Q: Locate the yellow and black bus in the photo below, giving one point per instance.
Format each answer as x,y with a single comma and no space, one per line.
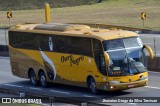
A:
100,59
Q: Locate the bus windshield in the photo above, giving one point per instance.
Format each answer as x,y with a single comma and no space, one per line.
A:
126,55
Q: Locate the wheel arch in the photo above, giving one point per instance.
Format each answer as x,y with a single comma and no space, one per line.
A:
29,70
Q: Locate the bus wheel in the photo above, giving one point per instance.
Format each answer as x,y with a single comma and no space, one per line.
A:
92,86
43,80
32,77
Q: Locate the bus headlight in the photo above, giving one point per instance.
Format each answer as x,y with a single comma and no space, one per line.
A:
114,82
144,78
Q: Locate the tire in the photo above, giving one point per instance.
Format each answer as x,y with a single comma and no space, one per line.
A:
32,77
43,79
92,86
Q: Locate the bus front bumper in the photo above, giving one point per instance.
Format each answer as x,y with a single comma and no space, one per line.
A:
124,86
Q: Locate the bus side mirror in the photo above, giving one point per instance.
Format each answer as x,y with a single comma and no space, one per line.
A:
107,58
150,51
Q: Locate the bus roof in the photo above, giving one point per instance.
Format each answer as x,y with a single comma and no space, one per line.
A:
75,30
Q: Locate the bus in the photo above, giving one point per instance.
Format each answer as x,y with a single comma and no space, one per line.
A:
73,54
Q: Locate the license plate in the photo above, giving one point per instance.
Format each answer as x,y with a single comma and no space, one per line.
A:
130,86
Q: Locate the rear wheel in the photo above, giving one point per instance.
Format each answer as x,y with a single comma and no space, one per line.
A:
32,77
43,80
92,86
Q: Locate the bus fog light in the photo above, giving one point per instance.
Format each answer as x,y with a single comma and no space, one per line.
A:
111,87
144,78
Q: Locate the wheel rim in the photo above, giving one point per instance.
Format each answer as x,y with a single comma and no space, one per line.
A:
33,78
93,86
43,80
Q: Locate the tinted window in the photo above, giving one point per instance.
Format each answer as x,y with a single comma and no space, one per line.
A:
23,40
43,41
30,41
73,45
66,44
55,43
15,39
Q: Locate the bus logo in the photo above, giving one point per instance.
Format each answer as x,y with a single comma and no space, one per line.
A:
50,43
72,60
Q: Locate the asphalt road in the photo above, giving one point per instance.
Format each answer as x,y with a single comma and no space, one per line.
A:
7,80
8,95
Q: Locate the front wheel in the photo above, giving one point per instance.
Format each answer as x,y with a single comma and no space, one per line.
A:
43,80
92,86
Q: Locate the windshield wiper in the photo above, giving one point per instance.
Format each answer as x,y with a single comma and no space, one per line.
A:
132,64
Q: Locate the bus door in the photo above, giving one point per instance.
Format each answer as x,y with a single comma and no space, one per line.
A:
99,56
